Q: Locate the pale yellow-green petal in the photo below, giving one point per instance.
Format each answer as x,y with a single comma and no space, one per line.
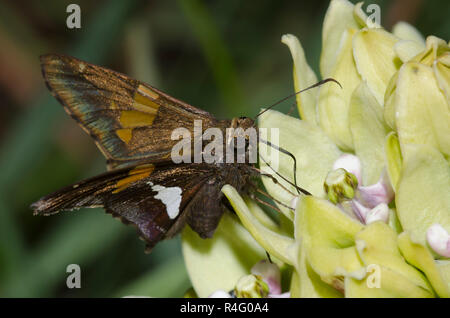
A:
218,263
334,101
390,102
261,216
377,244
434,48
422,113
328,239
376,60
419,256
314,151
304,77
444,270
392,285
407,49
295,286
369,132
280,246
406,31
394,222
393,158
423,192
307,284
361,17
338,18
442,72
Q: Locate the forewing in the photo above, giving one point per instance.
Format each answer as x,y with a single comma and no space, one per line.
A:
129,120
152,197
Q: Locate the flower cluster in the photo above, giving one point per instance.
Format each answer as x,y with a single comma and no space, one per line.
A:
374,154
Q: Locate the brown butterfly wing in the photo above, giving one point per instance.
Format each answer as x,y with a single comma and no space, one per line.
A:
129,120
152,197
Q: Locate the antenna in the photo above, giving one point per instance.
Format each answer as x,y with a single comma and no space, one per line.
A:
303,90
299,190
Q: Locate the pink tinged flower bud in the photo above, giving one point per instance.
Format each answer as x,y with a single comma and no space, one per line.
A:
270,273
368,215
351,163
380,192
439,240
378,213
360,211
219,294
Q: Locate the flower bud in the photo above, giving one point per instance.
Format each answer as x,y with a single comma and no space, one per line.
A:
340,184
270,273
378,213
375,194
439,240
350,163
360,211
251,286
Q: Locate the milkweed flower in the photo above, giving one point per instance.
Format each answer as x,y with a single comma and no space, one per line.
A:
264,281
374,155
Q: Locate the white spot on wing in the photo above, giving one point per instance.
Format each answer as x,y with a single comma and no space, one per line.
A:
171,197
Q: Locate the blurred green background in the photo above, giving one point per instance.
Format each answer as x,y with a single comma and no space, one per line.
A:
222,56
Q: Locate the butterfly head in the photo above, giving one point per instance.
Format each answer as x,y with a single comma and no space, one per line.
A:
242,135
243,122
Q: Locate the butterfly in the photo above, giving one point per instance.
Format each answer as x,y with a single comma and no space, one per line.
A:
132,123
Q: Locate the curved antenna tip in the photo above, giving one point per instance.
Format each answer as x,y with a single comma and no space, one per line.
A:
330,79
303,90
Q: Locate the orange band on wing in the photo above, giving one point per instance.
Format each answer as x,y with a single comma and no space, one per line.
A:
133,118
124,134
147,92
136,174
143,100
